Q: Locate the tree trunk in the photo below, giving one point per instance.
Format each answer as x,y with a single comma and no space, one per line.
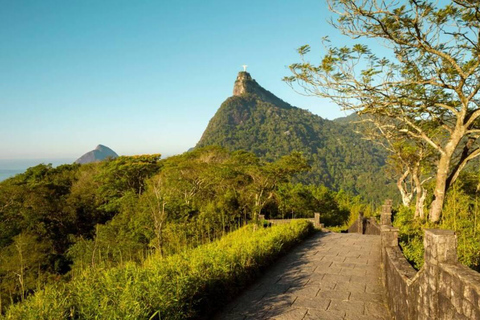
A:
419,191
440,188
406,196
420,204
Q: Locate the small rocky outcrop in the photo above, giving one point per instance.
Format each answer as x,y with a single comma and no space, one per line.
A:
100,153
245,84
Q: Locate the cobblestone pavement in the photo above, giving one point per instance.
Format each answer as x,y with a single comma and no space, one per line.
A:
330,276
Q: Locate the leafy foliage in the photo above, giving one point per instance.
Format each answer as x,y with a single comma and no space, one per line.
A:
424,92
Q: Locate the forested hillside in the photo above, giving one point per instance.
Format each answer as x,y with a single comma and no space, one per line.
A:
253,119
56,223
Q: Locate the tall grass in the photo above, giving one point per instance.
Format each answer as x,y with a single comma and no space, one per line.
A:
190,284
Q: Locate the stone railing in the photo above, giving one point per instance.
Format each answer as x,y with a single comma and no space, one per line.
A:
365,226
441,289
315,220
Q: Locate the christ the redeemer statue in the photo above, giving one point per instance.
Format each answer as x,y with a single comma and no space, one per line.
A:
244,68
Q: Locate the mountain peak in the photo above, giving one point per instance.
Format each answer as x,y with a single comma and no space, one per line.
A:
245,84
101,147
100,153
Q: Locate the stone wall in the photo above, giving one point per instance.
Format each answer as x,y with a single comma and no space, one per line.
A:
442,289
356,227
364,226
371,227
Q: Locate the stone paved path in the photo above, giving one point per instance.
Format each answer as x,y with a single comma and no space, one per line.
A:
330,276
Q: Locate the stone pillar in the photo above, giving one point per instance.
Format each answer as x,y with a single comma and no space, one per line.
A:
386,217
316,220
440,246
389,236
360,223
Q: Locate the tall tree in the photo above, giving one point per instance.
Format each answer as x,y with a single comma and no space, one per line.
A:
267,177
429,84
409,159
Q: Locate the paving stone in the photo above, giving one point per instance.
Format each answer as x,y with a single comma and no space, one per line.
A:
332,270
292,314
374,280
353,253
352,272
333,294
375,309
306,291
335,258
366,297
311,303
351,307
306,272
278,300
277,288
293,281
322,266
323,283
360,260
364,317
313,314
351,287
342,265
336,277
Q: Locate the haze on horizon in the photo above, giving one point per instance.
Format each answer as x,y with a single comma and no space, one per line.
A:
141,77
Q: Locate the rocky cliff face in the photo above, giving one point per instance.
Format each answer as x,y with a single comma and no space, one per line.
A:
100,153
245,85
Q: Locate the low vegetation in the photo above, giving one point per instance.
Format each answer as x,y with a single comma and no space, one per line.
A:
461,213
185,285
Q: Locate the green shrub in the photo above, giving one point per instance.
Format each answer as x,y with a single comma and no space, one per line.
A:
459,214
181,286
410,237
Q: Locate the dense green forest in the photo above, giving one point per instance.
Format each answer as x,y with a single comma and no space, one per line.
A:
58,222
340,159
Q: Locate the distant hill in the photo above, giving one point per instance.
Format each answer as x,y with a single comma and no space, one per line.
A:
255,120
351,118
100,153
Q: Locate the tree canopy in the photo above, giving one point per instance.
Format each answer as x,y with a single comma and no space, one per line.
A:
425,91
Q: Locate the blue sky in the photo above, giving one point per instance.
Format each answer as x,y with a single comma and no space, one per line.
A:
140,76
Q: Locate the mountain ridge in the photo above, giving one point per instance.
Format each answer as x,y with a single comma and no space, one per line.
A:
255,120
